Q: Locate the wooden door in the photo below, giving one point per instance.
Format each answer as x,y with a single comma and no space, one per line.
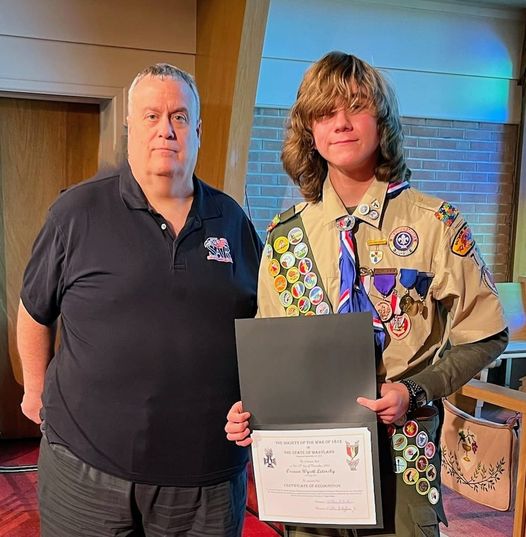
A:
45,146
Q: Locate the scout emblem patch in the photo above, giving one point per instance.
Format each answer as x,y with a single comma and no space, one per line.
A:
463,241
446,213
487,278
218,249
399,326
375,256
403,241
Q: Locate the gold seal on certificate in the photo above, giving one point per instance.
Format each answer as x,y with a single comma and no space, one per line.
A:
322,476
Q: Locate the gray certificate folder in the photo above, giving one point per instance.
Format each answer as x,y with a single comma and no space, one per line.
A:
306,373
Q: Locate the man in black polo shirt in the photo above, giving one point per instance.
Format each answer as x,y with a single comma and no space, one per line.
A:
147,271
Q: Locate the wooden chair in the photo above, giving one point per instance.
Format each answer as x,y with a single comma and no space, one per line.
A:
513,298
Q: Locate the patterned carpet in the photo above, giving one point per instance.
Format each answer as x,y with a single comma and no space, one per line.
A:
19,514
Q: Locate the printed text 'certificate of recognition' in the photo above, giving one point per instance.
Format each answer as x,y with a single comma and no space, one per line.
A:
315,476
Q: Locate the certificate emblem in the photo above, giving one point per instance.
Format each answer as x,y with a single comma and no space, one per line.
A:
403,241
352,454
269,460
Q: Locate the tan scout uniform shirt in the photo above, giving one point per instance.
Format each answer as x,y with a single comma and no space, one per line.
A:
461,285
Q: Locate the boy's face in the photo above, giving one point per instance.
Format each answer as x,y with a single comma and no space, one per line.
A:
348,140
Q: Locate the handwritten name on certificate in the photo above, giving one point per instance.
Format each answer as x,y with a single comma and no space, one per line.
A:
322,476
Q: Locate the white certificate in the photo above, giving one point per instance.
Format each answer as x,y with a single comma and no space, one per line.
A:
322,476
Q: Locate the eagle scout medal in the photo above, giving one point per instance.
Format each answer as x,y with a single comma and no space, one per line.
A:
304,304
301,250
285,298
423,486
280,283
399,326
463,242
305,265
287,260
403,241
433,495
295,235
273,267
385,312
323,309
298,290
310,280
293,274
281,244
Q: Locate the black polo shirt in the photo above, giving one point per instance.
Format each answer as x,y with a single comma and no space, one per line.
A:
146,368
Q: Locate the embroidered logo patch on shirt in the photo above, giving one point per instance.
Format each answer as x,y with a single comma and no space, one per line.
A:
218,249
463,242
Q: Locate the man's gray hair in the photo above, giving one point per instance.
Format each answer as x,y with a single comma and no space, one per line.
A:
162,71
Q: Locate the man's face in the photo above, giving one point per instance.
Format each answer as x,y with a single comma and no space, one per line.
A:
163,129
348,140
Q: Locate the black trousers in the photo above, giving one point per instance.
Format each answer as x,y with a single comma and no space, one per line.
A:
79,500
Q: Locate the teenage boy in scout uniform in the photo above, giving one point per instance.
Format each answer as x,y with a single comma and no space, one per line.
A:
366,241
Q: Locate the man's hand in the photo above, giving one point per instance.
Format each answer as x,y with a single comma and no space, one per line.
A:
392,405
31,405
237,425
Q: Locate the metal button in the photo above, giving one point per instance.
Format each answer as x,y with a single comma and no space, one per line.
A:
163,226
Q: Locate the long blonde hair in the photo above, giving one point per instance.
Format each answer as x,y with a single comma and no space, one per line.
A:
341,78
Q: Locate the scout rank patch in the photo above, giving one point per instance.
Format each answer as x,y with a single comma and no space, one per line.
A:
446,213
412,457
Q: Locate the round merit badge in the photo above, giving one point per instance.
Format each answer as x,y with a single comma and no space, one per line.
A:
273,267
293,311
430,450
267,252
287,260
280,283
293,274
411,476
323,309
295,235
423,486
421,463
421,439
304,304
410,453
400,465
410,428
298,290
305,265
301,250
316,295
281,244
310,280
399,442
431,472
433,496
285,298
403,241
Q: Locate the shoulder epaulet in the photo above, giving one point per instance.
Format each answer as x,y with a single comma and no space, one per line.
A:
286,215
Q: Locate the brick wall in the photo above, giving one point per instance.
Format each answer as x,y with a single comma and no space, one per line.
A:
469,164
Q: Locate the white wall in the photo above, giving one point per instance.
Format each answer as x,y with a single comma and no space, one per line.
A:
91,50
446,60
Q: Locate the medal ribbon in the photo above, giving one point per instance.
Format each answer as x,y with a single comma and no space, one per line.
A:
353,297
423,282
408,277
384,283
